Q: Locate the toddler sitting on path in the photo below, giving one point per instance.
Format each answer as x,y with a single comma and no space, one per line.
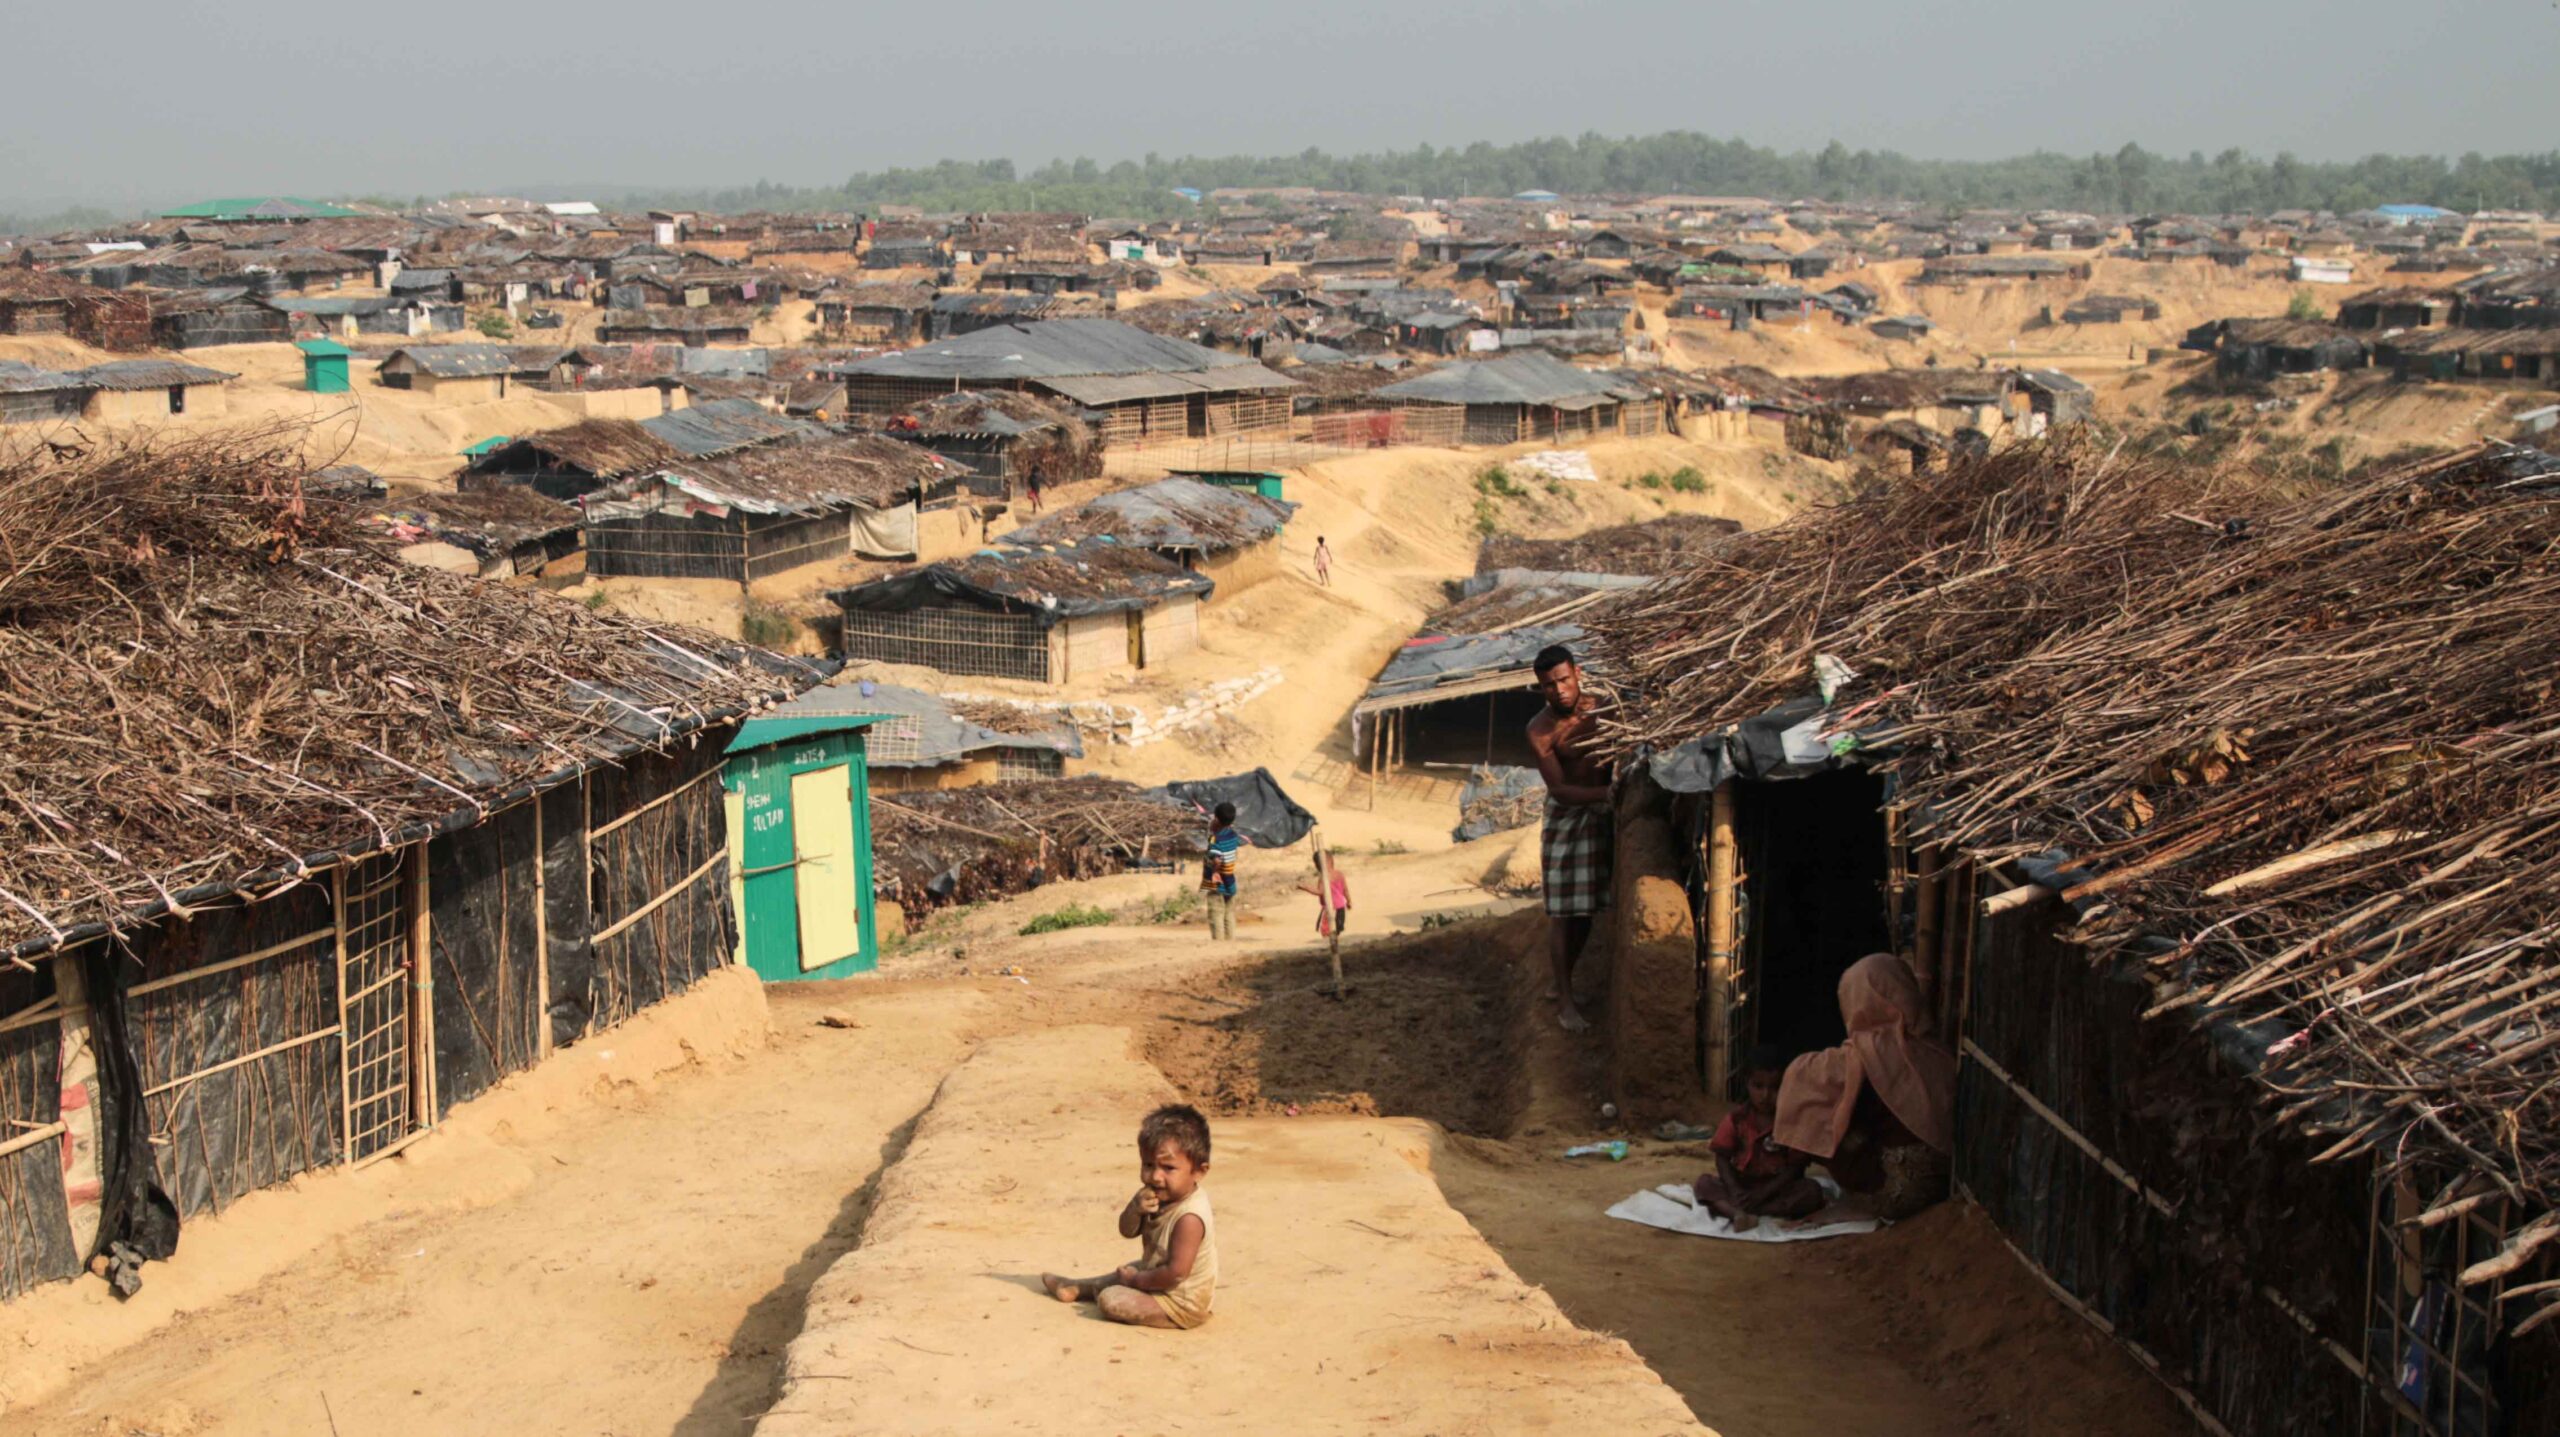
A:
1171,1283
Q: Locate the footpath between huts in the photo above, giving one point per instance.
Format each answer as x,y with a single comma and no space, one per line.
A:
1354,1298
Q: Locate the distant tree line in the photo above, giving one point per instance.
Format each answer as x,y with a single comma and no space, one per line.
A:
2132,179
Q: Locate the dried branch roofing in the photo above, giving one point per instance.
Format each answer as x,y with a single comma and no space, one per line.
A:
1089,578
1658,546
863,470
1172,513
486,521
2305,743
219,686
605,448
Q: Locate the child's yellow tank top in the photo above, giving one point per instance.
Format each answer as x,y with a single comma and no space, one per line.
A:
1188,1303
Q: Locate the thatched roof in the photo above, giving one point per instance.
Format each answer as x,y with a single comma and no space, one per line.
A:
605,448
996,413
2314,746
218,686
1175,513
862,470
1657,546
484,521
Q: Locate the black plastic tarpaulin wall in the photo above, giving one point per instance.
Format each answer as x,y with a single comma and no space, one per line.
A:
658,876
484,893
570,928
238,1058
215,1046
2195,1212
35,1221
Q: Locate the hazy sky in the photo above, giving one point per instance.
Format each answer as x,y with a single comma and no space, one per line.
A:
168,100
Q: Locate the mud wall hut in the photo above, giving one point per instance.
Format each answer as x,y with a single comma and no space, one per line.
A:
1518,397
144,389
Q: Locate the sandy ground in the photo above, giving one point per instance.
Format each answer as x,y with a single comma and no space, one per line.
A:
1352,1297
664,1236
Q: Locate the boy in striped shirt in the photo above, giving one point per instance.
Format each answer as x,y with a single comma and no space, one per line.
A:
1218,872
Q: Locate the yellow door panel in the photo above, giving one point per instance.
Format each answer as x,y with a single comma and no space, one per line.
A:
822,840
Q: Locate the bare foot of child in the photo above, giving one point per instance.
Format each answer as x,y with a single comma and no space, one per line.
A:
1571,1018
1065,1289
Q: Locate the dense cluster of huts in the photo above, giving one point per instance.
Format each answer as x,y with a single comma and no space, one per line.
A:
2500,326
2214,826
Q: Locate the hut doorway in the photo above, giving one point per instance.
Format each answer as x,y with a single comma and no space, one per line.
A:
1811,903
1488,729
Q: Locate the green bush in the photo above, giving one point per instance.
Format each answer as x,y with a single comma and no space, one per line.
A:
1488,519
1074,915
2303,305
767,627
1687,480
1437,920
1387,846
496,326
1175,906
1497,483
596,602
1648,480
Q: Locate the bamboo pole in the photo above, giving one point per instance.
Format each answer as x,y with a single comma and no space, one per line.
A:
2015,899
1722,864
541,942
346,1027
1924,936
422,999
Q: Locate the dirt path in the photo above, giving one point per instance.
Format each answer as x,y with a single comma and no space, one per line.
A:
1351,1297
644,1280
640,1264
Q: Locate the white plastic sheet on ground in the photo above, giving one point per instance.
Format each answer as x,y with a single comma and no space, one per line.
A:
1671,1208
1558,464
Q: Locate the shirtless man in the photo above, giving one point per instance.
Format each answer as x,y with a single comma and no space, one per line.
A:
1575,841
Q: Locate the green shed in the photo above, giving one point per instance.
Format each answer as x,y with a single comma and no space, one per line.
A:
800,852
494,441
324,365
1260,481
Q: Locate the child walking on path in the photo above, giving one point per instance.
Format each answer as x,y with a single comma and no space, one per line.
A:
1333,906
1324,562
1218,872
1176,1274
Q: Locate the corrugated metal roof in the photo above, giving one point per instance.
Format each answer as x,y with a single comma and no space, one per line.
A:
1058,348
453,361
149,374
16,378
919,729
724,426
1524,378
1101,389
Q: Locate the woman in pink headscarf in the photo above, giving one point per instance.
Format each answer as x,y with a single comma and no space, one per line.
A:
1879,1109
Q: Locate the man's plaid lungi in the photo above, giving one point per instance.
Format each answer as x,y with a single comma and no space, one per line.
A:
1574,844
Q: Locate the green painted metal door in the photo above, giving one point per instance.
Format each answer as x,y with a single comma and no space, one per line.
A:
800,834
770,914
